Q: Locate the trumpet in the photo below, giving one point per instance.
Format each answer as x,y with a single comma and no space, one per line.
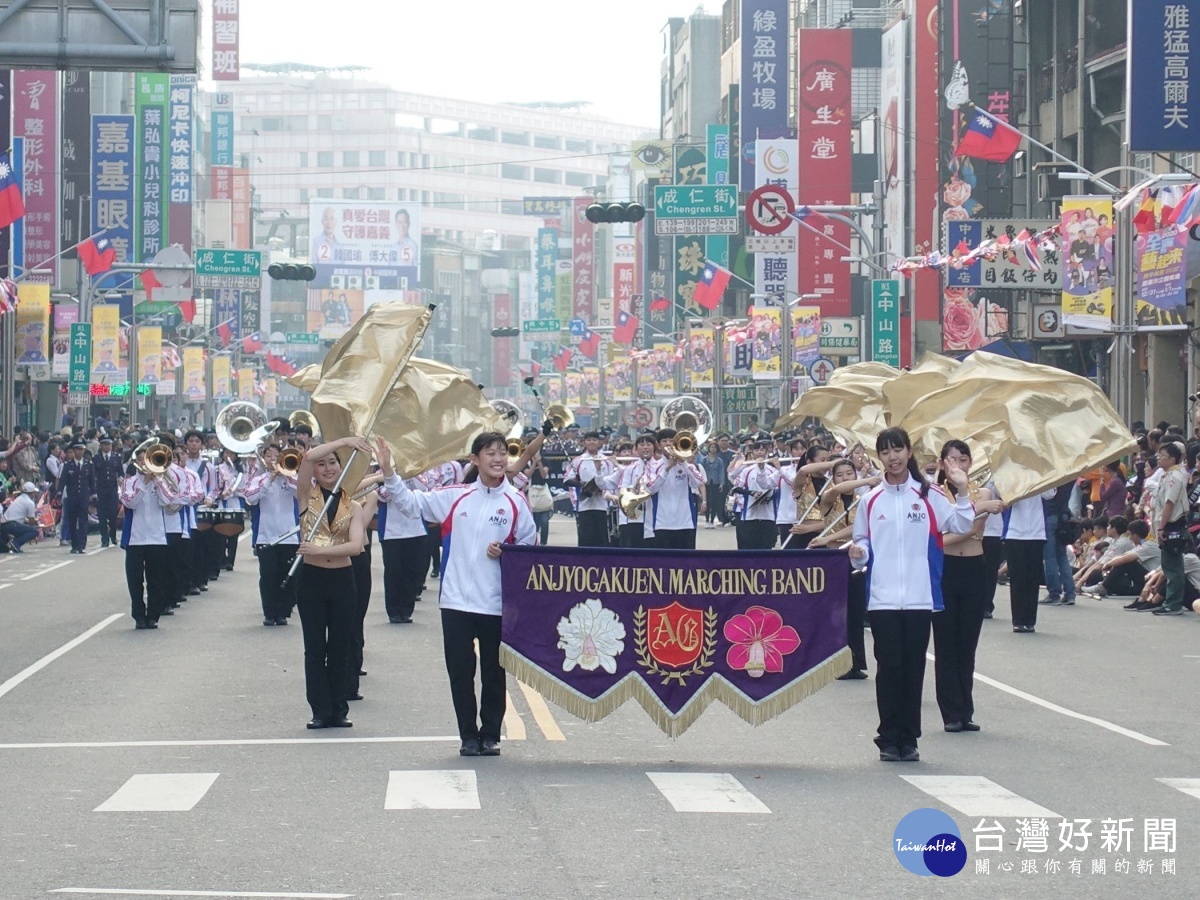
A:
515,447
289,460
156,462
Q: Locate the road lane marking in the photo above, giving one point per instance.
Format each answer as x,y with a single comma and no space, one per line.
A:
541,714
717,792
94,552
3,586
42,572
248,742
514,725
973,795
123,892
1189,786
432,789
51,657
171,792
1069,713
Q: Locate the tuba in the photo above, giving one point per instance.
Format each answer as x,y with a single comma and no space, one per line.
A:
691,420
304,417
242,426
560,416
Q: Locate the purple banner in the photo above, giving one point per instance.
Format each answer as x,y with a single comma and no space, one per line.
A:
1160,266
35,118
675,630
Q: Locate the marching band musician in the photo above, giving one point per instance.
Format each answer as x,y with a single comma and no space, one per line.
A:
785,499
405,549
672,482
176,526
193,441
478,519
231,478
588,474
758,486
271,494
806,488
633,477
146,499
445,475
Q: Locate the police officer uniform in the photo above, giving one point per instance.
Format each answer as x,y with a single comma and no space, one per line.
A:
79,480
108,469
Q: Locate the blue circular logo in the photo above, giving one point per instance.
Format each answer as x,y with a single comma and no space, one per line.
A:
928,842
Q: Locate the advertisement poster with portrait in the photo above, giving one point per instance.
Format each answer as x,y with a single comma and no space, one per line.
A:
701,360
332,312
33,324
766,340
365,246
1087,260
1160,270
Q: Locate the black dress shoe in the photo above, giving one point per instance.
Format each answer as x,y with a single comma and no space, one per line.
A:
954,727
909,754
362,673
203,589
970,726
853,675
228,568
340,722
470,747
489,748
151,623
167,612
270,622
140,624
889,754
355,696
281,621
194,592
316,723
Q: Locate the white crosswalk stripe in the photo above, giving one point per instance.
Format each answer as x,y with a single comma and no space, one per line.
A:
432,789
173,792
706,792
974,795
1189,786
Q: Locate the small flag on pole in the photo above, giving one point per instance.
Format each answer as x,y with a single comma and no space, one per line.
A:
988,138
711,287
97,255
625,330
12,205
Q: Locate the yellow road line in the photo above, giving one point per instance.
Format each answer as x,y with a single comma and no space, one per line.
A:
514,725
541,713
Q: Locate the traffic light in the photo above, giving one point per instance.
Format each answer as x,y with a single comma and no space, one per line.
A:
601,213
291,272
506,332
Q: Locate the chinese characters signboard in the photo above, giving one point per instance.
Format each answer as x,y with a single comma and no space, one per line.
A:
151,110
226,58
35,118
1163,112
112,181
1005,272
885,321
764,85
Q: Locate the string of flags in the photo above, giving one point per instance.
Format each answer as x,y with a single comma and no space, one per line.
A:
1025,250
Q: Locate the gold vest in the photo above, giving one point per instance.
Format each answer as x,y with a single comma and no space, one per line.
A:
326,536
835,515
804,500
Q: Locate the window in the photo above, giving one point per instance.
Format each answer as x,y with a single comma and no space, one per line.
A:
377,159
351,193
579,179
324,159
325,124
304,159
512,207
547,176
401,159
350,158
1186,161
547,141
376,193
448,201
574,146
303,195
481,134
401,194
515,137
324,193
517,173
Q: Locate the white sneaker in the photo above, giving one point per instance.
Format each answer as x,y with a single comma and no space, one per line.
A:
708,526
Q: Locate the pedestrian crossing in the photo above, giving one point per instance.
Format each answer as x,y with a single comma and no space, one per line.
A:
721,793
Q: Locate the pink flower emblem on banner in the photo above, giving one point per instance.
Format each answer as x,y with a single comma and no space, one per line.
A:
760,641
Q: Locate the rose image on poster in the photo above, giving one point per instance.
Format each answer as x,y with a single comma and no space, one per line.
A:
961,328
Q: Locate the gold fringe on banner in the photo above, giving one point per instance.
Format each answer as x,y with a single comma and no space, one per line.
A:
715,688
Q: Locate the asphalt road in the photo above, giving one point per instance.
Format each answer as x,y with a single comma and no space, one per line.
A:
176,763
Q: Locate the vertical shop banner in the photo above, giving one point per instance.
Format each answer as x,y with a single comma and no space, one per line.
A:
65,316
776,163
221,377
504,362
227,307
251,320
226,48
701,359
180,112
717,172
33,324
106,346
764,77
80,375
545,265
35,119
150,94
1160,272
240,210
894,135
195,390
806,338
76,155
554,391
662,368
271,394
885,321
691,167
149,347
589,391
923,168
222,137
624,264
1163,103
583,260
766,342
1087,259
245,384
6,140
221,183
562,290
823,129
112,168
620,379
573,383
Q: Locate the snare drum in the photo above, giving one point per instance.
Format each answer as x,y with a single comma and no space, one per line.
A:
206,518
230,522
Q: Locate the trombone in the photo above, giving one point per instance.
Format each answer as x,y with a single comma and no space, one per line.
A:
691,420
156,462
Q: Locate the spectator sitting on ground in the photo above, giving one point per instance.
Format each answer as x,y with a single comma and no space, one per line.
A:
1125,575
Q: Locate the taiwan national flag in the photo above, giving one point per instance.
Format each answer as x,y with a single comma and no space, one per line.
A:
658,304
562,359
97,255
988,138
12,206
711,287
590,344
252,343
626,328
225,333
149,282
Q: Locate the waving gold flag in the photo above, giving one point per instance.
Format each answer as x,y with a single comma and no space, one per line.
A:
851,405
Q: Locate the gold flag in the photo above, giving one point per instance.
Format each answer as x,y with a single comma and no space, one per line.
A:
851,405
306,379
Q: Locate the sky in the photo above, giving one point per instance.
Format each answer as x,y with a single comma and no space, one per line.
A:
607,53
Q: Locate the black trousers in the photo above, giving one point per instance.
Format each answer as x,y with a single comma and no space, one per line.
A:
361,565
633,534
993,552
273,564
459,632
178,554
405,563
901,639
435,551
856,620
106,512
197,571
757,534
591,528
326,599
675,538
146,565
76,512
1126,580
214,553
956,634
713,502
229,550
1025,570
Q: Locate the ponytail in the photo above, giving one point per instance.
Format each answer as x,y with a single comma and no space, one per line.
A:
915,471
